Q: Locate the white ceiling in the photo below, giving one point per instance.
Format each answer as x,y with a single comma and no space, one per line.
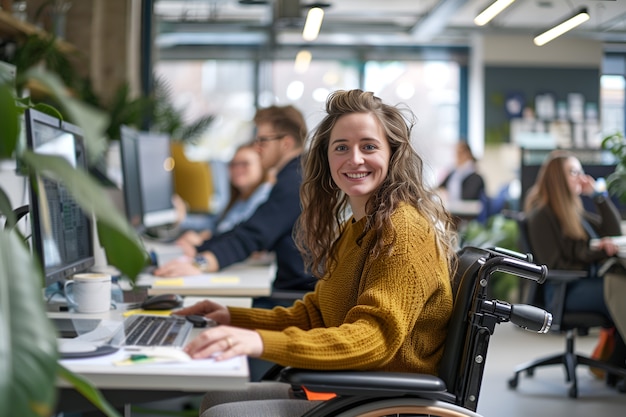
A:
377,22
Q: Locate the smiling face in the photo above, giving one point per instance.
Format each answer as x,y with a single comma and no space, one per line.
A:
245,169
358,156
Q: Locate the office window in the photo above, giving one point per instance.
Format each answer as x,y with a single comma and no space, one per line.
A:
307,89
219,87
226,88
431,91
612,101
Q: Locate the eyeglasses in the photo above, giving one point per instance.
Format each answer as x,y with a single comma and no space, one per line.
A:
239,164
264,139
576,172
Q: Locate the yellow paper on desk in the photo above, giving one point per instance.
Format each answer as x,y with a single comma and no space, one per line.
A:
170,282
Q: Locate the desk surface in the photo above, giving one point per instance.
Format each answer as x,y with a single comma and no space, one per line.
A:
247,279
465,208
237,280
193,376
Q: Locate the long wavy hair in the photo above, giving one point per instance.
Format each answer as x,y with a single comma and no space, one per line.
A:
324,204
552,190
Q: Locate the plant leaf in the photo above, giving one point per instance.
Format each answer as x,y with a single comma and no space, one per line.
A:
10,130
92,197
28,348
121,251
6,209
88,390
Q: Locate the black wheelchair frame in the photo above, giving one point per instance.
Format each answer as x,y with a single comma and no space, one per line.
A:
455,392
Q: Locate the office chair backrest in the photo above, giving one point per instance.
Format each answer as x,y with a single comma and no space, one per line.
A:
193,180
533,292
464,287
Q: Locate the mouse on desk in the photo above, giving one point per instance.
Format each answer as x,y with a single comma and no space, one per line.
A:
162,302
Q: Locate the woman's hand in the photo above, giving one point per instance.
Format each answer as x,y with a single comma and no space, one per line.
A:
208,309
587,184
177,267
225,342
189,240
608,246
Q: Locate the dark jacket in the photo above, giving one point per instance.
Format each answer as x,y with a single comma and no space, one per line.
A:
552,248
472,186
269,229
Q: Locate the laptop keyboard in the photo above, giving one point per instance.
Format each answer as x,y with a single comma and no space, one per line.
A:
147,330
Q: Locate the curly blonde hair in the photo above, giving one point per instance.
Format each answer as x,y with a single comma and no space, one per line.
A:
325,205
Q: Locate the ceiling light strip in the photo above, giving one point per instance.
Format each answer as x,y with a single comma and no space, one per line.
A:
492,11
313,23
580,17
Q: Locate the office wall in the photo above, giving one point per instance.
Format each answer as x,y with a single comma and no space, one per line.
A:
564,52
514,63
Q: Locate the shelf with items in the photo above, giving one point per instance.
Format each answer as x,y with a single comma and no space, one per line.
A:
10,27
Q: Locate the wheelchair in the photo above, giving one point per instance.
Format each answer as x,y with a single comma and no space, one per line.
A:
456,390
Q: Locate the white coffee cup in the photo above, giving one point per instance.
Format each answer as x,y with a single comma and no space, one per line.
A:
89,292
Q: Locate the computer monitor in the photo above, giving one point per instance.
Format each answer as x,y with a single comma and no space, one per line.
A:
130,175
148,179
61,230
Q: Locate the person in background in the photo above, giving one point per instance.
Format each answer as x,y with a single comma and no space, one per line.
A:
250,185
464,182
280,135
381,245
560,230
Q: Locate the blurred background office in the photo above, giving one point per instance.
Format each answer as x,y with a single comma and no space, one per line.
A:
216,61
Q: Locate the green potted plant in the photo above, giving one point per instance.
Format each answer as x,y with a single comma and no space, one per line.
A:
28,351
168,119
616,182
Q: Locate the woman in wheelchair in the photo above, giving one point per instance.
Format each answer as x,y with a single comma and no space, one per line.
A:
560,229
381,244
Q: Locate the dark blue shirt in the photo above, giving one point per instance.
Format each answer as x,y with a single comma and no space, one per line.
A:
270,229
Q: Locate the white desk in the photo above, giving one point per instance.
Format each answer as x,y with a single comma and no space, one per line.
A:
146,382
193,376
465,208
239,280
245,279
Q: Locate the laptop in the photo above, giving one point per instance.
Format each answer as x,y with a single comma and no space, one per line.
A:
82,337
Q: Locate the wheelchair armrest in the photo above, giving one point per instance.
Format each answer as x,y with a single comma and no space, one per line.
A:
363,383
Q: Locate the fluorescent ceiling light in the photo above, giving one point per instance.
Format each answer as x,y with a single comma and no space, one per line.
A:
313,23
580,17
492,11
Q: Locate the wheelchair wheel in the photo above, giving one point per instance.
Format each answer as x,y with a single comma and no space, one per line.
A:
405,407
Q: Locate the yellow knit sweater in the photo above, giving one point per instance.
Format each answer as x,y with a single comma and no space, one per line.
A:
387,314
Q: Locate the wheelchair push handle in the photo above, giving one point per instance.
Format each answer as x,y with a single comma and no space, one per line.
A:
515,266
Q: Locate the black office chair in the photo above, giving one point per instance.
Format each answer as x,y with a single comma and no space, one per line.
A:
456,390
570,323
